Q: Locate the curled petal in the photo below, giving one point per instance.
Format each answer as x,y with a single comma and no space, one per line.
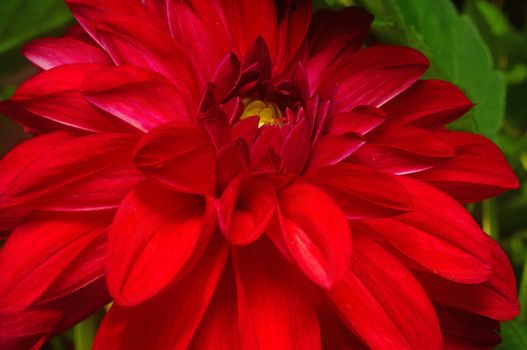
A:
153,237
295,149
179,156
245,209
315,232
169,320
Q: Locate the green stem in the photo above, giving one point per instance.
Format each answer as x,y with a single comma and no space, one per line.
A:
84,333
490,218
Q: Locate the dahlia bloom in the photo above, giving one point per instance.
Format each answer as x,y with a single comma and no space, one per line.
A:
242,174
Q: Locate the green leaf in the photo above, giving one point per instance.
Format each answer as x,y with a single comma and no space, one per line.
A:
6,92
514,335
23,20
508,46
523,292
455,49
11,134
516,106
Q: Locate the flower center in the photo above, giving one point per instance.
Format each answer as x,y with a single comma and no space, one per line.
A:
268,112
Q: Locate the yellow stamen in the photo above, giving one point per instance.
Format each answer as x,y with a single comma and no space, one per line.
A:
268,112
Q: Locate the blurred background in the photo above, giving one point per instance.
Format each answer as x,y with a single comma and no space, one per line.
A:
479,45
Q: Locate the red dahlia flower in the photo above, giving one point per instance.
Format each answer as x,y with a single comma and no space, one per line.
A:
240,174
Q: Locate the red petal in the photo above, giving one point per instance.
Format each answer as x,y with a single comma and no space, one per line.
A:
316,233
373,76
275,311
268,140
169,320
230,162
292,29
179,156
335,335
335,32
67,163
219,328
413,140
50,242
245,209
26,152
478,171
225,79
496,298
245,129
216,124
32,123
403,150
248,27
295,149
361,192
126,92
86,268
49,53
54,95
207,42
149,45
11,218
330,149
428,103
152,238
439,234
13,163
360,121
382,302
30,328
463,330
105,189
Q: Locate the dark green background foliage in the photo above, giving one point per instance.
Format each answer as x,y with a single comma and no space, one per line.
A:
480,45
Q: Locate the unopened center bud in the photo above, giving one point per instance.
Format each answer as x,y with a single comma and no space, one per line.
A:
268,112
